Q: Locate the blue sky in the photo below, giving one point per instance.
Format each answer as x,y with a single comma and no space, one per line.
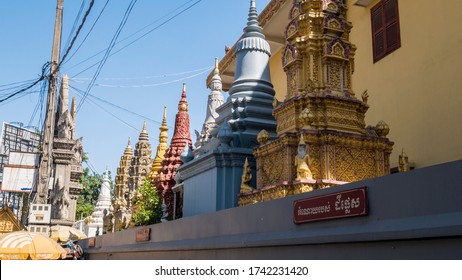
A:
141,78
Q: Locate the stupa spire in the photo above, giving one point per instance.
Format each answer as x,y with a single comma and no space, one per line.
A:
161,148
253,28
181,131
144,134
252,92
181,137
128,149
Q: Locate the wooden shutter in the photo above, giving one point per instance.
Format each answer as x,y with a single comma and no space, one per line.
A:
385,28
391,25
378,34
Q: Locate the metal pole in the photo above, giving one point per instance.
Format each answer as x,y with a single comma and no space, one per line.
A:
46,161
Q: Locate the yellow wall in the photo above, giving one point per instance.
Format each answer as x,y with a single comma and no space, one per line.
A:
278,76
417,89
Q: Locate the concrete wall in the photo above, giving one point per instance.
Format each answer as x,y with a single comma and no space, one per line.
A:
417,88
200,194
413,215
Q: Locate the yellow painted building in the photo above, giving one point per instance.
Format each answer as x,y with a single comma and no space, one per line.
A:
416,88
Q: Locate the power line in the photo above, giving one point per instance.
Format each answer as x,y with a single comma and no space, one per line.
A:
145,34
76,34
108,51
74,26
116,106
126,38
156,84
89,32
111,114
80,80
45,68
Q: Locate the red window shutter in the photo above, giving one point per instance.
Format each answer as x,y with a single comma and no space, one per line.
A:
385,28
378,35
392,25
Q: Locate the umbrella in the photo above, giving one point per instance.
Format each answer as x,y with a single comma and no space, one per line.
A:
23,245
65,233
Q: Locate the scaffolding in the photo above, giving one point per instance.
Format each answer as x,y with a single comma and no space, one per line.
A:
16,138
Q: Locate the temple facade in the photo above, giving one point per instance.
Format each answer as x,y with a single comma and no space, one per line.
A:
399,79
134,166
322,139
122,213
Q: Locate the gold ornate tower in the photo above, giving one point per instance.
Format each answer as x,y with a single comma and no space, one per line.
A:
161,148
141,162
320,118
121,190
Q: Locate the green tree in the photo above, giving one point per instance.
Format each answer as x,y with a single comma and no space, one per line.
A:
147,204
86,201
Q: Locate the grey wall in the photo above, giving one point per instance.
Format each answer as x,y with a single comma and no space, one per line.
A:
413,215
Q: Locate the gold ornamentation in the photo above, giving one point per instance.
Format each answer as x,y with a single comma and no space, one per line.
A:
365,96
306,117
303,162
246,178
403,162
263,137
382,129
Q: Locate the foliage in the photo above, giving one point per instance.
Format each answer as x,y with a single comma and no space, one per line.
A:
88,197
148,205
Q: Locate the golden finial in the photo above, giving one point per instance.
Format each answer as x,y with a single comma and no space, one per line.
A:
403,162
263,137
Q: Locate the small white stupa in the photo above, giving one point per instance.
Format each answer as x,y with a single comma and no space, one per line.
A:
95,225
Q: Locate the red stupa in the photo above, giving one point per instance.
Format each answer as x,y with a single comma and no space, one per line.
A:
166,179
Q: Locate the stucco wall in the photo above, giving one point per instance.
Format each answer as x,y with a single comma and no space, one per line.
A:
278,76
200,195
417,89
412,215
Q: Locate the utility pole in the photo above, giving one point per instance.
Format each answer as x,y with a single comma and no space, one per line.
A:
46,162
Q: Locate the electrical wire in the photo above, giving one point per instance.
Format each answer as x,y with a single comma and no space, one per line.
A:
126,38
76,34
80,80
142,36
74,26
108,51
88,34
107,112
45,68
117,106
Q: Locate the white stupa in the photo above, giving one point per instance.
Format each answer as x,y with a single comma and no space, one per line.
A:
103,206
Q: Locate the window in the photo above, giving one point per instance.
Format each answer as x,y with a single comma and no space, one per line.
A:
385,28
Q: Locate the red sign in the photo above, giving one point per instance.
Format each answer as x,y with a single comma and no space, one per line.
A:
331,206
143,234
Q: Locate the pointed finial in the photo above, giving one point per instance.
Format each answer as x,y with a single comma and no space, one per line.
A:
128,149
164,119
253,28
183,104
106,174
144,133
216,63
